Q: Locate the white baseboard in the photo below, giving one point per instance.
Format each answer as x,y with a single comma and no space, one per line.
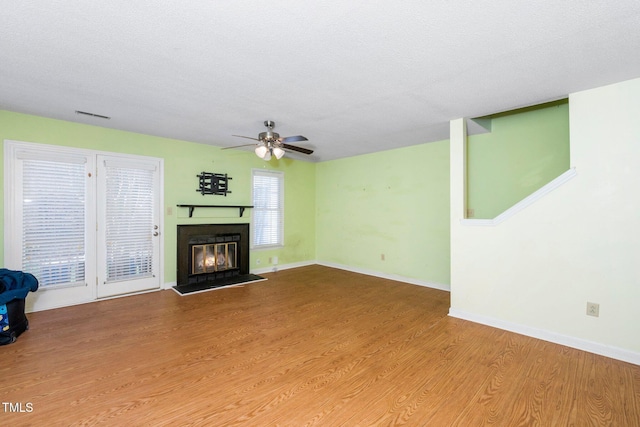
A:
395,277
573,342
32,308
278,267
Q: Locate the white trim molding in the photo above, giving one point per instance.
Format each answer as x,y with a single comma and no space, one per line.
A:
276,267
522,204
569,341
381,275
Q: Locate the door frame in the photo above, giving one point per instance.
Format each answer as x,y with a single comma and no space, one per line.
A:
13,241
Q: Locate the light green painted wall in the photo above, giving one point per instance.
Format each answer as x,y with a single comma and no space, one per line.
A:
524,151
183,161
394,203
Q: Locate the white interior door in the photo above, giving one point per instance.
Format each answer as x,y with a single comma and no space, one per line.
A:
128,225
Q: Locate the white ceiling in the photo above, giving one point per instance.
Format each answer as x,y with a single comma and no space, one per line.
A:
352,76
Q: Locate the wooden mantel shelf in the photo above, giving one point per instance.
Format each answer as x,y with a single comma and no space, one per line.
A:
192,208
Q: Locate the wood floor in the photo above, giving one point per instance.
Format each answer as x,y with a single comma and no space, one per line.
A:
310,346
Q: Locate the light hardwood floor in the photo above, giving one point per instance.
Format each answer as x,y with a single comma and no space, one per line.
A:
310,346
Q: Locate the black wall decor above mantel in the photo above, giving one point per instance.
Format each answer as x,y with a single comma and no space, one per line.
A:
213,183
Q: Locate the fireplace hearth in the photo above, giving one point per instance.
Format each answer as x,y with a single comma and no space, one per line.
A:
212,256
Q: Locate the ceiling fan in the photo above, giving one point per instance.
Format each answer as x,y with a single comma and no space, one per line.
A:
271,143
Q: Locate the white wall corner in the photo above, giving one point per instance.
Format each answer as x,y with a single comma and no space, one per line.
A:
458,168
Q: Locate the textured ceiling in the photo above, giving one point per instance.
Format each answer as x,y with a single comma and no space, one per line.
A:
352,76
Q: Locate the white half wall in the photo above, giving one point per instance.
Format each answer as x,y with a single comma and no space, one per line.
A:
579,243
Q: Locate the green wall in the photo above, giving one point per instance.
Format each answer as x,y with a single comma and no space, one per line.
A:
394,203
182,162
524,151
346,212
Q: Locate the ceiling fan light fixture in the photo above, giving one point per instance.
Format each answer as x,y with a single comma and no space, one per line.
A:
271,144
261,151
278,152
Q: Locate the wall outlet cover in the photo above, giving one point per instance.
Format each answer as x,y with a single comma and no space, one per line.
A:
593,309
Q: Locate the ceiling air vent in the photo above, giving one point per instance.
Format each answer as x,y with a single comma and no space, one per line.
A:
100,116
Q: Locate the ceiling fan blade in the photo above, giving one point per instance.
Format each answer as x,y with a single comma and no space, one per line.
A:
248,137
298,149
238,146
296,138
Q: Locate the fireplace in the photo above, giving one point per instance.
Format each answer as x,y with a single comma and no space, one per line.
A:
212,255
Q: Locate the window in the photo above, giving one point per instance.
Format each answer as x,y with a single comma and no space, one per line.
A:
268,208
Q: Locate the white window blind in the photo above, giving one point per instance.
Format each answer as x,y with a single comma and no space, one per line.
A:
268,208
53,228
129,222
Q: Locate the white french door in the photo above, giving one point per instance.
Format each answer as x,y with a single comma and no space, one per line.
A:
86,224
128,225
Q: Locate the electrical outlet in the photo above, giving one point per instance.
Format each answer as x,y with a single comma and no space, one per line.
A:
593,309
471,213
274,260
381,257
258,261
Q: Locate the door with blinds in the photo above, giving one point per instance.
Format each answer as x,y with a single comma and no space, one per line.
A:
128,225
48,208
86,224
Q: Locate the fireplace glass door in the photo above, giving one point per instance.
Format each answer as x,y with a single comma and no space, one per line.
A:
209,258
